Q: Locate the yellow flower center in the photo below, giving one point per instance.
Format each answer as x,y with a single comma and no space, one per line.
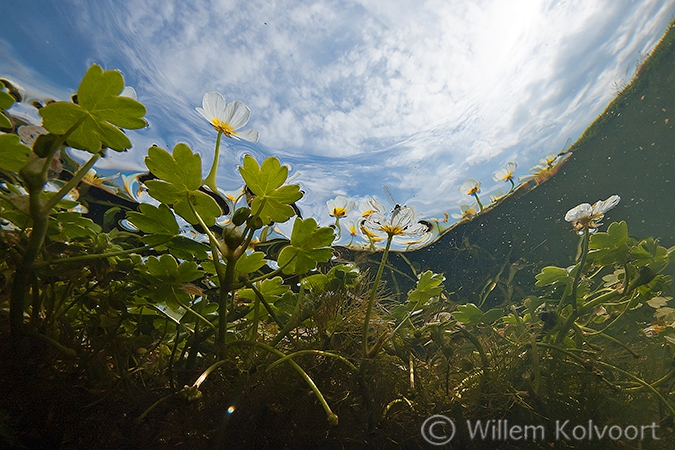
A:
474,190
393,230
338,212
223,127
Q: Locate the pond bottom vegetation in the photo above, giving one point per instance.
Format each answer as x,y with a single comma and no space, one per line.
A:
196,331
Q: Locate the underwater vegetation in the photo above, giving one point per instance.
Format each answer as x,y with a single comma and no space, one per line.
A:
196,326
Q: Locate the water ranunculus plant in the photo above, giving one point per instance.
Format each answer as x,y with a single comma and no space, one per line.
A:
471,186
226,118
506,174
339,207
586,217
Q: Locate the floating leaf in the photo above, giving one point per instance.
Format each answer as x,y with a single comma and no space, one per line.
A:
309,245
6,101
658,302
272,200
96,119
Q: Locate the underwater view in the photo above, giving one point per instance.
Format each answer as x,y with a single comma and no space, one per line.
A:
357,254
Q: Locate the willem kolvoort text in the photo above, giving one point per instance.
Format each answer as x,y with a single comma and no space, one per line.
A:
501,430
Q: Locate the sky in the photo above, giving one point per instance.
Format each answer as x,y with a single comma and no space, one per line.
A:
417,95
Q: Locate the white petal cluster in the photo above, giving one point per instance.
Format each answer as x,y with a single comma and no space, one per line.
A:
400,222
227,117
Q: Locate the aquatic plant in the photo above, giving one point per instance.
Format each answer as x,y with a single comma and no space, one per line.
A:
471,186
506,174
195,305
226,118
339,207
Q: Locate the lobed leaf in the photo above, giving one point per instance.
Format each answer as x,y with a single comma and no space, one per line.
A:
272,200
13,154
309,245
95,121
154,220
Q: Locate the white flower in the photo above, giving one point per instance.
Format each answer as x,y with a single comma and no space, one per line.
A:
227,117
585,216
468,211
401,222
340,206
470,187
370,206
506,172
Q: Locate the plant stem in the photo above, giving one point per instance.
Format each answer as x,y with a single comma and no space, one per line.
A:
210,180
371,299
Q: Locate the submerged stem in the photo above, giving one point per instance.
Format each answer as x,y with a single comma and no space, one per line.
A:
371,299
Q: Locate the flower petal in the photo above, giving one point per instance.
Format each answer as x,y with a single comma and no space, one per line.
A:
238,114
248,135
213,104
602,206
579,211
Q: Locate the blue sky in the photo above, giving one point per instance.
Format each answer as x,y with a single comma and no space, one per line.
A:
417,95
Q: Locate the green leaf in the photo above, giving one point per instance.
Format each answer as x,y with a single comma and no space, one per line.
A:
271,290
183,169
251,262
69,225
6,100
13,154
468,314
272,200
167,269
96,119
154,220
4,121
164,192
552,275
204,204
616,236
309,245
180,177
429,285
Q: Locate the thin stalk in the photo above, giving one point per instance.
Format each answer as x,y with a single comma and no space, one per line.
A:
480,205
41,264
210,180
371,299
535,364
582,261
332,417
66,188
575,284
642,382
338,228
476,343
313,352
